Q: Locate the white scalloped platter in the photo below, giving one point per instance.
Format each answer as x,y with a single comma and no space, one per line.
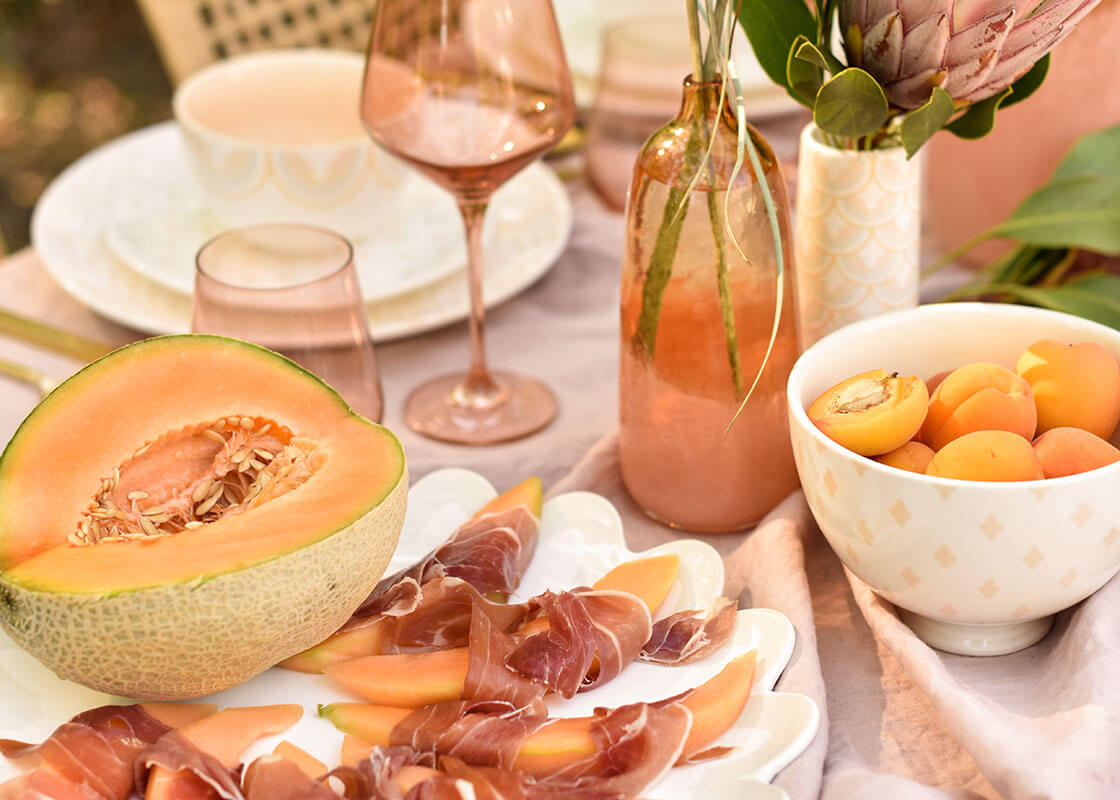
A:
581,538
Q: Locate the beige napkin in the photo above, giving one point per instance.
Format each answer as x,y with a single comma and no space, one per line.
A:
898,719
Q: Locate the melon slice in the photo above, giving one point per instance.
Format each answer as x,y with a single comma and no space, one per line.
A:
186,512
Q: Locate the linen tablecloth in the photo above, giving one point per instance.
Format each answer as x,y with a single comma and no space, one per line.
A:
898,720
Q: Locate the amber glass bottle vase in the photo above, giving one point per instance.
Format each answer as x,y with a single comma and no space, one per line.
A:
700,286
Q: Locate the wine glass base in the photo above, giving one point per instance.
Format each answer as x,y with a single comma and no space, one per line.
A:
522,406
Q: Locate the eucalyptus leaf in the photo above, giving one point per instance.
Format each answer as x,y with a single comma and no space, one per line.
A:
926,120
1076,211
803,76
1029,83
979,119
850,105
771,26
807,51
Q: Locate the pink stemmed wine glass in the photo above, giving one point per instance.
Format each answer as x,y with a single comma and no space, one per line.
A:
470,92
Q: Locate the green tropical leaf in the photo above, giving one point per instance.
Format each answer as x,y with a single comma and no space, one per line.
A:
1029,83
1075,211
803,76
1095,297
851,104
771,26
1094,154
926,120
979,119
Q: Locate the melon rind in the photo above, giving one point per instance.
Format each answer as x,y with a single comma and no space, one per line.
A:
219,632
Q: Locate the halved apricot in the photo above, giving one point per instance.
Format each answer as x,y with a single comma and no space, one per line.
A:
871,413
979,397
1068,451
987,456
1074,386
912,457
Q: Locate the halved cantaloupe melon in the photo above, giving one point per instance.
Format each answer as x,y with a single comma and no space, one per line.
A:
186,512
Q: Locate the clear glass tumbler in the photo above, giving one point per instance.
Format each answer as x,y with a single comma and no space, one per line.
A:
294,289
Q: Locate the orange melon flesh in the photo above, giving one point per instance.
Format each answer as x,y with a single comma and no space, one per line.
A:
307,763
715,706
528,493
109,410
195,612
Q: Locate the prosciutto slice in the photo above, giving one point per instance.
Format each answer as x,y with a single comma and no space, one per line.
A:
484,732
637,745
440,617
690,635
489,677
584,625
490,553
91,756
273,777
175,753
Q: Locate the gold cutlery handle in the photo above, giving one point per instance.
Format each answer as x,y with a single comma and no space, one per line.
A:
43,335
30,375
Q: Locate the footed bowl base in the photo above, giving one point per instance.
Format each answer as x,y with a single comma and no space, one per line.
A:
969,639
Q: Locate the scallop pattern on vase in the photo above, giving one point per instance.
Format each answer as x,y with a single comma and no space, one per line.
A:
856,234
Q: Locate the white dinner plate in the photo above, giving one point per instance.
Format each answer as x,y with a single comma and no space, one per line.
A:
581,537
135,198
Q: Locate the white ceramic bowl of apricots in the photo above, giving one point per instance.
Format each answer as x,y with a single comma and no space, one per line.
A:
939,500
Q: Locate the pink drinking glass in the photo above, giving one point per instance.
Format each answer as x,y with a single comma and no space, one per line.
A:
294,289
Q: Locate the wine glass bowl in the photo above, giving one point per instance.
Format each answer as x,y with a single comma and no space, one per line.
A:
470,92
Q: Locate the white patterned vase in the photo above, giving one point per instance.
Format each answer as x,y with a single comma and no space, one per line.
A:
856,234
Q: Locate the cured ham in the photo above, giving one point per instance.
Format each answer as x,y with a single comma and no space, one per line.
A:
690,635
441,618
637,745
428,605
177,754
591,636
489,675
92,754
274,777
483,732
490,553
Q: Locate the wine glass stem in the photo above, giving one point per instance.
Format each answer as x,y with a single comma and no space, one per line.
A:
478,389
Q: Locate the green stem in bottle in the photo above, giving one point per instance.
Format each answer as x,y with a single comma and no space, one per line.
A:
726,309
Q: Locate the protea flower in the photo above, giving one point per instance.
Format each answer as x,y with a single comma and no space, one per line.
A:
970,48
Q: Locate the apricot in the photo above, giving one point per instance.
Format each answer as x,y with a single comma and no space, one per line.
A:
871,413
912,457
1068,451
934,381
987,456
1075,386
979,397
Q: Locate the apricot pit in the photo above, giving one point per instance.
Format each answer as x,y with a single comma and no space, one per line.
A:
871,413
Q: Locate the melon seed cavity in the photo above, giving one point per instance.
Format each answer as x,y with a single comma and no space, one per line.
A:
190,478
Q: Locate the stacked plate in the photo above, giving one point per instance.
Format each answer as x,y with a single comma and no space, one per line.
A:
120,227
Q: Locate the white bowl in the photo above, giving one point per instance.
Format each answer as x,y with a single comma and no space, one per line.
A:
276,137
976,568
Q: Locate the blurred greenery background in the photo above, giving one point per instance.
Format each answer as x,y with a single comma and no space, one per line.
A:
73,74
